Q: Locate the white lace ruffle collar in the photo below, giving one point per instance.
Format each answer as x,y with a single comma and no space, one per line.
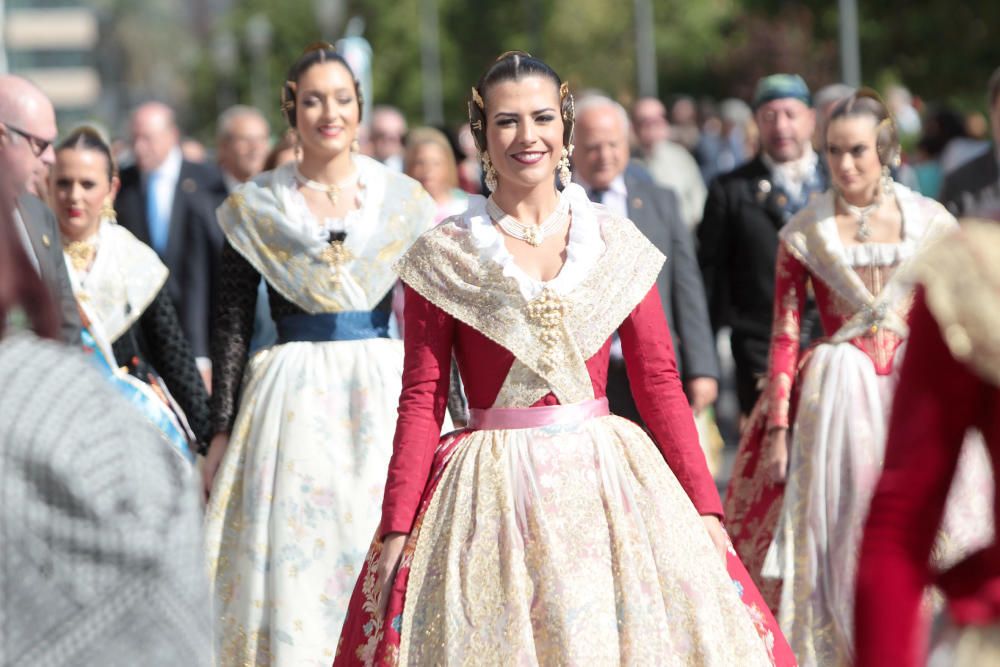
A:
584,248
372,191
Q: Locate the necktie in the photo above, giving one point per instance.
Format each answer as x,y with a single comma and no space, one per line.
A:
159,227
597,195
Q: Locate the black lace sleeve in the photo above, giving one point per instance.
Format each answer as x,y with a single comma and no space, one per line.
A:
171,356
232,329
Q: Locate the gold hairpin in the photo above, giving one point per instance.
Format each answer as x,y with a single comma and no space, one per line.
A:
477,98
563,90
507,54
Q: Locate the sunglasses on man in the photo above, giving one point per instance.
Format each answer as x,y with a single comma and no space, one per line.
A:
37,144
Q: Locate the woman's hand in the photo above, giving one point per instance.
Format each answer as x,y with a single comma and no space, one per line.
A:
776,455
388,563
718,535
213,457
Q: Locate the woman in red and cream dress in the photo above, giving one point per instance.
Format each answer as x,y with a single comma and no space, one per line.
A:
820,426
548,531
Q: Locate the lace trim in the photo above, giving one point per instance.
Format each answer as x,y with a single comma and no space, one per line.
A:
583,249
961,276
551,335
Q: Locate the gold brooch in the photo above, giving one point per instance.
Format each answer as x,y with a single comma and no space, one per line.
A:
337,255
547,312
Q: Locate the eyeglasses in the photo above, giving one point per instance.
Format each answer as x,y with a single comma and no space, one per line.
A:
38,145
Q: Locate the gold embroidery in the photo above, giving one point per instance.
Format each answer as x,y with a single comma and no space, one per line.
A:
444,266
336,255
563,539
253,219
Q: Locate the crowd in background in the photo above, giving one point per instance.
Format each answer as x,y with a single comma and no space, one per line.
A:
672,160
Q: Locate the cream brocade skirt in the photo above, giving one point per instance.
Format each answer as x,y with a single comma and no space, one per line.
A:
298,496
569,545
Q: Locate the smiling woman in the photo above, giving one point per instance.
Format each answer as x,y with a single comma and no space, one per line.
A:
294,489
549,531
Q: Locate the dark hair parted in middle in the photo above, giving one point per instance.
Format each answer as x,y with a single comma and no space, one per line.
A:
513,66
866,102
315,54
88,137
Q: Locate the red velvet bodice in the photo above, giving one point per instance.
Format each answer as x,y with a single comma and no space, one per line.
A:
793,279
430,338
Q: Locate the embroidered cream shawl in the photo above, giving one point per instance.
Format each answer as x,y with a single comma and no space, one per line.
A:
266,221
551,335
124,279
961,276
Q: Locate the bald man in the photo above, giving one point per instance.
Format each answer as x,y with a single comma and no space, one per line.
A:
164,201
27,130
600,164
670,164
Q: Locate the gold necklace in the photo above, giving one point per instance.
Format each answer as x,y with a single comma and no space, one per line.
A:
81,253
331,190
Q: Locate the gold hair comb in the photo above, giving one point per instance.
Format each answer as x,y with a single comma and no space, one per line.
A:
507,54
477,98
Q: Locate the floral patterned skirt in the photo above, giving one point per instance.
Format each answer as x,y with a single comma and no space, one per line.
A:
297,497
570,545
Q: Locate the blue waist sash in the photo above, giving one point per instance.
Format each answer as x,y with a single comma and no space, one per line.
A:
324,327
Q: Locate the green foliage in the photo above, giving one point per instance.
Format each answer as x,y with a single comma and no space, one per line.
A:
941,49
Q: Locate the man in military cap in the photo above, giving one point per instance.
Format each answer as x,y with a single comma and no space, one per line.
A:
738,236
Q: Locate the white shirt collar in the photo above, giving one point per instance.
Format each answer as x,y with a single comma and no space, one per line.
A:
170,170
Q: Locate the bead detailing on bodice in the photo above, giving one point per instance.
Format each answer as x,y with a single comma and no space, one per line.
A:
547,313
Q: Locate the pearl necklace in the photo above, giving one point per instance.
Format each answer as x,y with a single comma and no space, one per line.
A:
532,234
862,214
332,191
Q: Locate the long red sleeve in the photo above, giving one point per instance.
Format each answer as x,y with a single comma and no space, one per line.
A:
789,301
427,340
656,388
935,402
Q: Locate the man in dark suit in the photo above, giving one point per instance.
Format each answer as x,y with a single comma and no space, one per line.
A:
738,235
27,130
601,163
242,138
974,188
163,201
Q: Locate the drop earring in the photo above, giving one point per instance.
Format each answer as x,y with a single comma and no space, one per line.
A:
886,180
489,171
108,212
565,177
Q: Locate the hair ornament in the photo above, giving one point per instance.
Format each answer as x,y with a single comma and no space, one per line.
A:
318,46
477,98
507,54
563,90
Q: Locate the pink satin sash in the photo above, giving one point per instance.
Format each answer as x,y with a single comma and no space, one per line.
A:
500,419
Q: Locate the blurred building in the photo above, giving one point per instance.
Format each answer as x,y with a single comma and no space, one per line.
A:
54,44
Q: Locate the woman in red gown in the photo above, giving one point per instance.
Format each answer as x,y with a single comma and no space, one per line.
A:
949,383
549,531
